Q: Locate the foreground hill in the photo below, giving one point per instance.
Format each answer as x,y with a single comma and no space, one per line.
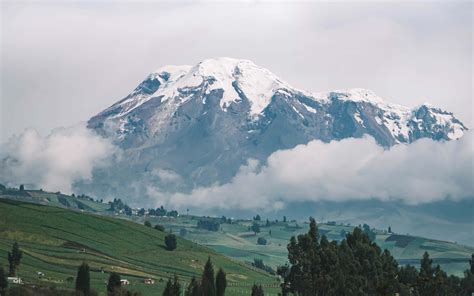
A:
56,241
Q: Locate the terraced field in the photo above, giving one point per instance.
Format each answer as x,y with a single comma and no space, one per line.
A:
56,241
235,241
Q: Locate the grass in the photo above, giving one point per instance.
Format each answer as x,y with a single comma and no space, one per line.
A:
234,241
56,241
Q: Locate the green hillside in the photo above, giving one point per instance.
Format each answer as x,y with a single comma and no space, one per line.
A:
236,241
55,241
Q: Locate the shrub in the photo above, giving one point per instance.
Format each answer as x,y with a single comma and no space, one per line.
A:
170,242
159,227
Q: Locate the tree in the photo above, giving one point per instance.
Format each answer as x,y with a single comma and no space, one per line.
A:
173,288
261,241
257,218
471,263
83,281
114,283
257,290
255,227
147,223
284,219
208,286
194,288
14,259
3,282
390,229
170,242
221,282
22,187
159,227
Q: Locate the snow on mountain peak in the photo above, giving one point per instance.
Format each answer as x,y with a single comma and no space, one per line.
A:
233,76
257,84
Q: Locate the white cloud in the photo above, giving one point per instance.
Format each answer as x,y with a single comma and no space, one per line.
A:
351,169
56,161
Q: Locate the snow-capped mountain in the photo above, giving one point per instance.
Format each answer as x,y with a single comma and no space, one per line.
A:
201,123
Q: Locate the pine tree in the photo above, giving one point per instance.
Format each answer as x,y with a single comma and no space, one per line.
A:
83,279
257,290
14,259
221,282
168,288
194,289
426,276
114,283
176,287
173,288
3,282
208,286
471,263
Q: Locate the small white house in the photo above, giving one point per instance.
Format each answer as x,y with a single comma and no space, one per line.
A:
15,280
124,282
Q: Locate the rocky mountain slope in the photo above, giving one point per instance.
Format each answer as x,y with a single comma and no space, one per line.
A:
199,124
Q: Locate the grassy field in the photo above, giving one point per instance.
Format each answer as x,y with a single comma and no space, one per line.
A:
55,241
236,241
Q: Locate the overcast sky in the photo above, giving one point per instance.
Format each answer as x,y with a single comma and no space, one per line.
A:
62,62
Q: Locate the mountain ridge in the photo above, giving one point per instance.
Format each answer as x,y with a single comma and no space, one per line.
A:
202,123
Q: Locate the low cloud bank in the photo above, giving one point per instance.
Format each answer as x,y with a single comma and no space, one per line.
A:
56,161
350,169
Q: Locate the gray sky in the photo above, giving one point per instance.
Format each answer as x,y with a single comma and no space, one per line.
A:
64,62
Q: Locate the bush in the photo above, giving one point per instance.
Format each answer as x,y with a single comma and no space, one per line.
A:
170,242
261,241
210,225
159,227
147,223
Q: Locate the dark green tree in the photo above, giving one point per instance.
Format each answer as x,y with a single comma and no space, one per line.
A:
147,223
14,259
467,283
170,242
83,281
173,288
471,263
3,282
22,187
159,227
255,227
208,286
426,276
194,288
257,290
221,282
113,286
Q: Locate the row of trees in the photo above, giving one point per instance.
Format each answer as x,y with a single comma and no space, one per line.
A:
114,284
208,285
357,266
209,224
117,205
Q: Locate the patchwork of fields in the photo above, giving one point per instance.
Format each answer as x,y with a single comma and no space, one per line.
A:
236,241
56,241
